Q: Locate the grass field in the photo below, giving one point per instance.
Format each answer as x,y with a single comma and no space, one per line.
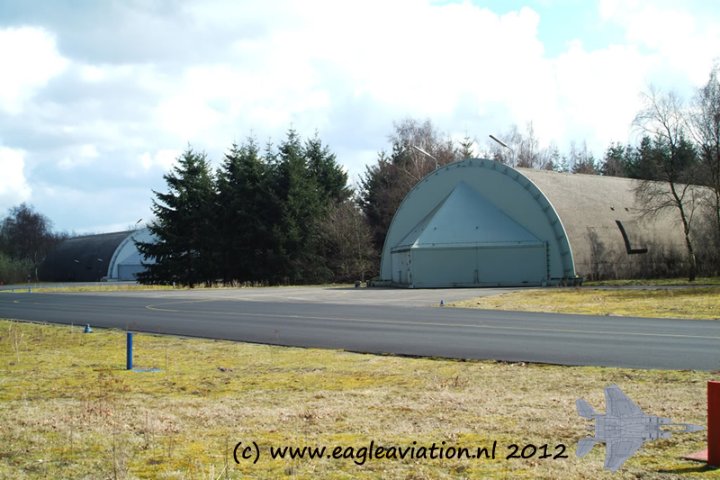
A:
691,302
68,409
124,287
655,282
100,287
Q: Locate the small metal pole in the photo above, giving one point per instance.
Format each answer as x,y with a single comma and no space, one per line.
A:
713,423
129,350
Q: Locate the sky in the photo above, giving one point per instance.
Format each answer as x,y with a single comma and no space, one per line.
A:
99,97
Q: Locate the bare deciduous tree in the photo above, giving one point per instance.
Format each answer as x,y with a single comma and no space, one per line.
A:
523,150
410,139
705,130
348,242
662,118
384,185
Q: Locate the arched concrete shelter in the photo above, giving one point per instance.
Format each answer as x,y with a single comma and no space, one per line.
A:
482,223
93,258
609,234
127,261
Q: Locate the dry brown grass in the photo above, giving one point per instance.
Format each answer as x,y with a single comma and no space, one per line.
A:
100,287
695,302
68,409
654,282
132,287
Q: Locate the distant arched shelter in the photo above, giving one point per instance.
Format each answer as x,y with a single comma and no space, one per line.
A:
482,223
93,258
127,261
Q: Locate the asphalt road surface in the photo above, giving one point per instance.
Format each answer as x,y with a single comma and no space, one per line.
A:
359,320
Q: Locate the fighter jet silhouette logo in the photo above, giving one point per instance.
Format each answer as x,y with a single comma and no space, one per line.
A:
624,428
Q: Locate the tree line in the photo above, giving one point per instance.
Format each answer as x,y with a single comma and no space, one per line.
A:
278,215
26,237
286,214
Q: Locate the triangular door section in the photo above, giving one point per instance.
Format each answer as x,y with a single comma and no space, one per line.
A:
464,218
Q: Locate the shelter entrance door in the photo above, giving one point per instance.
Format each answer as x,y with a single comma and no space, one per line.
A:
480,265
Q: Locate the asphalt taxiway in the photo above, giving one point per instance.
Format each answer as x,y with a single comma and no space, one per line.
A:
389,321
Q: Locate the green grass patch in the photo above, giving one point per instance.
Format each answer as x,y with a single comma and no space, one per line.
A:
654,282
693,303
68,409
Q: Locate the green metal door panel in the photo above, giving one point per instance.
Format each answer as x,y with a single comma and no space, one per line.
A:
479,266
512,266
402,274
443,267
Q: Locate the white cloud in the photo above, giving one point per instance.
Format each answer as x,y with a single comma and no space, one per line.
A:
680,41
598,93
29,59
164,159
401,58
92,212
14,187
144,82
81,156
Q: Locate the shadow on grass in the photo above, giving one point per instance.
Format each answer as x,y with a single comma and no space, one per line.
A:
686,470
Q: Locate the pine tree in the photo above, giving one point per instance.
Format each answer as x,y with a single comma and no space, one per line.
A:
380,197
330,177
297,190
614,163
246,209
466,149
183,226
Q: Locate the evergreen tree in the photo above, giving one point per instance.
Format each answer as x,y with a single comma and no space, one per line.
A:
386,183
581,160
615,161
184,226
330,177
301,206
257,220
465,149
245,212
380,196
644,164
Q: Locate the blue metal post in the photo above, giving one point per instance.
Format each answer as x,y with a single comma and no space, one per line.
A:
129,350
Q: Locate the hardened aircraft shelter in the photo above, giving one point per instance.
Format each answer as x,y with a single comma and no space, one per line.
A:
92,258
481,223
